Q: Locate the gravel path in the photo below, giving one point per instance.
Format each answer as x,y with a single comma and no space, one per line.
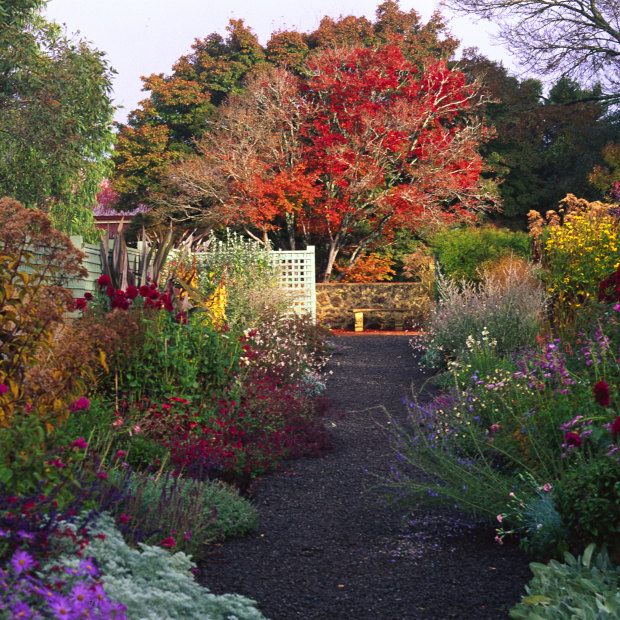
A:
327,548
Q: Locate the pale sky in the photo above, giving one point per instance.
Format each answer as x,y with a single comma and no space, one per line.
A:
141,37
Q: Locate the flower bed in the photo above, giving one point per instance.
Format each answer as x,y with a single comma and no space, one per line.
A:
128,422
527,429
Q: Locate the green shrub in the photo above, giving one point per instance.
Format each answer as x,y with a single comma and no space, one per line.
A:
585,588
589,501
461,252
192,512
153,583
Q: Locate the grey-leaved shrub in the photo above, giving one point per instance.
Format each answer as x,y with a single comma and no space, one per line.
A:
508,307
154,583
586,587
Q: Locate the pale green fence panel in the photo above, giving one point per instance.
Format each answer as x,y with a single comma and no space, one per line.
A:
297,277
296,268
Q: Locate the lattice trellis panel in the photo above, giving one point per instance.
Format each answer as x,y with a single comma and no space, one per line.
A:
297,273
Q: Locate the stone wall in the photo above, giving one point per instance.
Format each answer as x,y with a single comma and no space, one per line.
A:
335,301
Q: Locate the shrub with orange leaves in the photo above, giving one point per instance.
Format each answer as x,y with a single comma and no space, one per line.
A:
44,365
370,268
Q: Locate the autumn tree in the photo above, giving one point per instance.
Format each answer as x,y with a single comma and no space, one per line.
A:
249,170
570,38
364,144
55,117
392,146
179,108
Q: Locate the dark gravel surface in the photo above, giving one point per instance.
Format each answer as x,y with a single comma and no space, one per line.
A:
327,548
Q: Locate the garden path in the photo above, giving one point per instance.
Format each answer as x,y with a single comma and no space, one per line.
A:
328,548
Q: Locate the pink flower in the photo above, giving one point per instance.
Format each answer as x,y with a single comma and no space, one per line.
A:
79,443
500,518
547,487
3,389
124,518
102,475
117,422
617,307
137,429
120,454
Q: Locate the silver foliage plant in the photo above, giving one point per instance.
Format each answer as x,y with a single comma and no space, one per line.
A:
154,583
507,305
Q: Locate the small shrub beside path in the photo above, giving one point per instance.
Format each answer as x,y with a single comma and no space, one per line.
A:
329,548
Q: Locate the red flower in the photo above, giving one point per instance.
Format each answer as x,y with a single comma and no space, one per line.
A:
168,542
104,280
601,393
80,303
615,427
181,318
572,439
144,290
132,292
88,296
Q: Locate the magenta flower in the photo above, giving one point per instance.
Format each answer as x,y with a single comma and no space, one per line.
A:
168,542
601,393
79,443
80,403
572,439
3,389
22,561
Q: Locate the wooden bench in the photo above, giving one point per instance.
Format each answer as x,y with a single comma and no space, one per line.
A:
359,316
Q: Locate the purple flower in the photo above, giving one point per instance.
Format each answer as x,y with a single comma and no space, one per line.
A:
88,567
81,593
22,561
61,606
21,610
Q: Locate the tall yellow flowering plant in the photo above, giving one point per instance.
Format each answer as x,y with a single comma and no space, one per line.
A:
578,246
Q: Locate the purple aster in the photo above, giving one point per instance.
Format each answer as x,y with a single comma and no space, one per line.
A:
81,593
88,567
21,610
61,606
22,561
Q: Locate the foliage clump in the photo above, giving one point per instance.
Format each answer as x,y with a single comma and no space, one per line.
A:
461,252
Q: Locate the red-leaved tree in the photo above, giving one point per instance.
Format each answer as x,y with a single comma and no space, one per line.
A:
364,143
